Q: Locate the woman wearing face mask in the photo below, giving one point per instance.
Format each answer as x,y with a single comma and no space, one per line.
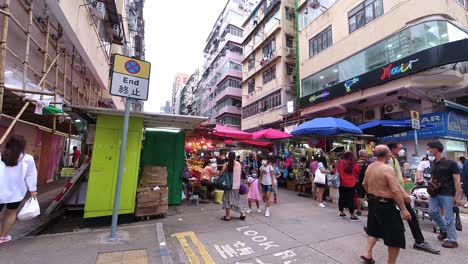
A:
267,178
423,173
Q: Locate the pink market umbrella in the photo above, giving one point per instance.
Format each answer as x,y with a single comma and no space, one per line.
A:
270,133
229,132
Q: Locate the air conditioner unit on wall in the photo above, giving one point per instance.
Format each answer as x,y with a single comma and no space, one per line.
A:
393,108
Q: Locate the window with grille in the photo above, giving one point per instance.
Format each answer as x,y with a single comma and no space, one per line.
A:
251,62
364,13
269,75
320,42
289,41
266,103
251,86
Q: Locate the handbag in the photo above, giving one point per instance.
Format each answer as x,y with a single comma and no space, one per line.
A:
30,210
333,180
223,182
243,189
433,187
320,177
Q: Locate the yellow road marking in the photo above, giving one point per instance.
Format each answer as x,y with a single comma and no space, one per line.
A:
193,258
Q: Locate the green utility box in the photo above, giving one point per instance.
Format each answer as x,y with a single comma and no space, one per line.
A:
105,164
166,149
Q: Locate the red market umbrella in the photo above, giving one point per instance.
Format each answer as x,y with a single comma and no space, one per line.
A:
256,143
229,132
270,133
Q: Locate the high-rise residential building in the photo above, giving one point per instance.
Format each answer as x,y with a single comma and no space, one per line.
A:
190,100
56,53
269,66
379,59
166,109
179,82
221,77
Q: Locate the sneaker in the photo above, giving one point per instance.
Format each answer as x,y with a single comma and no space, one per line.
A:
249,211
5,239
343,215
424,246
322,205
267,213
354,218
450,244
259,210
466,205
442,236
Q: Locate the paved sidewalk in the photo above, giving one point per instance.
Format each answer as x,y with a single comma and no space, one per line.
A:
46,195
138,243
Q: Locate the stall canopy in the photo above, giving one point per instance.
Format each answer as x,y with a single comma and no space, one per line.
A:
383,128
249,142
229,132
150,120
327,126
270,133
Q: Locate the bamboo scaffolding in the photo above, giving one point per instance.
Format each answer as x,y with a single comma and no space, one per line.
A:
40,127
46,51
29,91
71,75
12,124
28,40
3,50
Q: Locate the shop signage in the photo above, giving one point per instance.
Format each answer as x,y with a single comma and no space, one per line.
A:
433,57
441,124
130,77
389,71
415,123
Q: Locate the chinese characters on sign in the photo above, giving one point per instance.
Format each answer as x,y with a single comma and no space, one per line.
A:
130,77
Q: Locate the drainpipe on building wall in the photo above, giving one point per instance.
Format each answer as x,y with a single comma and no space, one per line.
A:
296,20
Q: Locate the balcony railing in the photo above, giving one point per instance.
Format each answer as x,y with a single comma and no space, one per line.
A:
230,91
231,109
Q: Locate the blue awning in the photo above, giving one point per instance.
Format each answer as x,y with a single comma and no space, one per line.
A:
382,128
455,106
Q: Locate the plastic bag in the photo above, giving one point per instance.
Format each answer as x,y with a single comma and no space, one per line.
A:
30,210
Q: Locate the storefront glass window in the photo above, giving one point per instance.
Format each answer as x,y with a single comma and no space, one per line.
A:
404,43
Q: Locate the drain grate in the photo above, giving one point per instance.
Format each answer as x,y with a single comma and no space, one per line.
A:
123,257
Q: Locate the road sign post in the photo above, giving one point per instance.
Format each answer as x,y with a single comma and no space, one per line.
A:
416,125
129,79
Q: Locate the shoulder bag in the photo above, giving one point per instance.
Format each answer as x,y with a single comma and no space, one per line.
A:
223,182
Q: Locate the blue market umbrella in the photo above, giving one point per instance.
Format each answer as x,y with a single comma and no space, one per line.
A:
383,128
327,126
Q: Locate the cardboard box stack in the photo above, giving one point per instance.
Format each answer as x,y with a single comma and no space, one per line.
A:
152,195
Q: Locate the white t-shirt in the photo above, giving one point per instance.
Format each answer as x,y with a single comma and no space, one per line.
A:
266,178
425,168
16,181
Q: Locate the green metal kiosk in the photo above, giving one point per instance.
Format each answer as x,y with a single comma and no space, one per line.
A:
160,129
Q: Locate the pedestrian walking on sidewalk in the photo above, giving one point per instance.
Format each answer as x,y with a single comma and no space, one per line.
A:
18,175
231,198
267,178
384,219
254,194
363,163
445,193
277,171
348,169
420,243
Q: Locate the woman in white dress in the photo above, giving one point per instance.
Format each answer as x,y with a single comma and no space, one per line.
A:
18,175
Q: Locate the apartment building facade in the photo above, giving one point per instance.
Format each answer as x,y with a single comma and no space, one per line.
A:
269,64
380,59
221,76
55,53
190,96
180,80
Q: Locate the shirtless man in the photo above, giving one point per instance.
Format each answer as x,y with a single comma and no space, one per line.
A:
384,220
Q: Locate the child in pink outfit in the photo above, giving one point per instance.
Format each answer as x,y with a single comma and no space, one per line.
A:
254,192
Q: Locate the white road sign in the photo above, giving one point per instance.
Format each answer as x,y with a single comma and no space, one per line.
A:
129,86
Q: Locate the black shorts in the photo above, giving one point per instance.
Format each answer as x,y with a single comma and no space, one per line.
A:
384,221
10,206
320,185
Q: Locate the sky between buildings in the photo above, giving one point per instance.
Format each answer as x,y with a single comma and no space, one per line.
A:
175,34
